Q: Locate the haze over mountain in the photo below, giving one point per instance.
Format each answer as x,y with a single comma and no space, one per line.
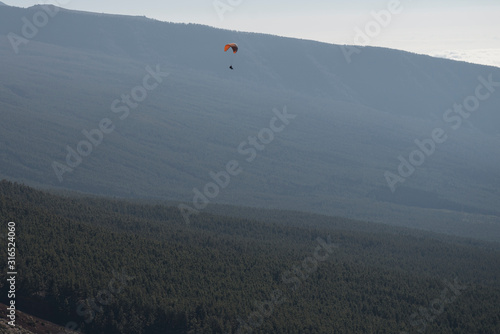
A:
350,120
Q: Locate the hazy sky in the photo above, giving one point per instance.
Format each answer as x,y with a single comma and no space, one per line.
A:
459,29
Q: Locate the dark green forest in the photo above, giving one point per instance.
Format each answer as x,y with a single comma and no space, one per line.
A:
103,265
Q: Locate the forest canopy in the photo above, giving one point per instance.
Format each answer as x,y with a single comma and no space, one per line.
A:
110,266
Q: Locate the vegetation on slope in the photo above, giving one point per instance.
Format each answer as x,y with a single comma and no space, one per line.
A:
108,266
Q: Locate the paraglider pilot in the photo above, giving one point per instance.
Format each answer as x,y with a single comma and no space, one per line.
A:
233,47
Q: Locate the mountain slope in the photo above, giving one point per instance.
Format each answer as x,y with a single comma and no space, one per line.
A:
122,267
352,120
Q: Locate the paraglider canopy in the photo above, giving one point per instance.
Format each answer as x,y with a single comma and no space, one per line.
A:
231,46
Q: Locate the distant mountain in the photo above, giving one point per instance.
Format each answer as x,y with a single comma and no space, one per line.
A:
76,115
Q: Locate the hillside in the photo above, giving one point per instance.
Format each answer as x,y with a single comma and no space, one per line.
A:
108,266
28,324
350,122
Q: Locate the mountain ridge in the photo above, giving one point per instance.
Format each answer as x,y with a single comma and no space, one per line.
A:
353,120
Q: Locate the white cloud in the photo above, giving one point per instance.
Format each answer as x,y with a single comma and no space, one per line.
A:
478,56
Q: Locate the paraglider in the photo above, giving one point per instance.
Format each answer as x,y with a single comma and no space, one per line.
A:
234,47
